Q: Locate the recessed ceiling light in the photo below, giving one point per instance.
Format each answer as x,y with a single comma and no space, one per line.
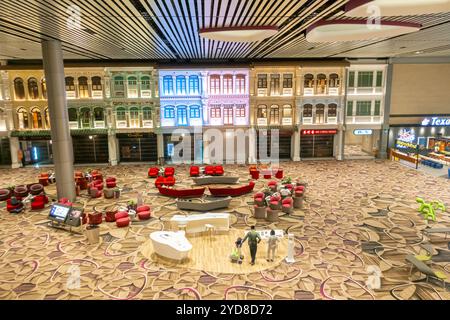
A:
418,52
357,30
239,34
386,8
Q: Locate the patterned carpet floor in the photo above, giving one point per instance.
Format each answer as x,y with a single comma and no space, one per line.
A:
356,214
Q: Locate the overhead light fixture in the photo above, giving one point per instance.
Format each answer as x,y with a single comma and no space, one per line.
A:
239,34
357,30
387,8
418,52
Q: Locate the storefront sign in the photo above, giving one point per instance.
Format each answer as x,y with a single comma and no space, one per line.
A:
406,135
405,145
319,132
436,122
363,132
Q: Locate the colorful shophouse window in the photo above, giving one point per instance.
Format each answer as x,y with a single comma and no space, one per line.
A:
169,112
262,81
167,85
70,84
37,118
228,84
321,84
96,83
44,88
132,87
22,117
181,85
228,115
85,115
83,87
287,81
194,85
274,115
33,89
119,87
274,84
240,111
215,112
73,118
19,89
240,84
47,118
182,115
99,117
214,84
194,112
134,117
320,114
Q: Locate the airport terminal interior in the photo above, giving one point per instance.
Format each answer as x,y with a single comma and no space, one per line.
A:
225,150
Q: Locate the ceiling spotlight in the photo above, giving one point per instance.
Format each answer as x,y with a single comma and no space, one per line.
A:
418,52
357,30
239,34
387,8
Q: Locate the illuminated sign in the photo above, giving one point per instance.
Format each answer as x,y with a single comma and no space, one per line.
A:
318,132
361,132
405,145
406,135
436,122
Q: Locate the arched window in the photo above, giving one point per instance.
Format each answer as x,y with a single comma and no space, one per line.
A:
167,85
182,115
119,88
22,117
19,89
37,118
96,83
73,116
227,84
287,111
240,84
169,112
145,83
99,114
2,120
146,113
70,84
85,116
332,110
334,80
44,88
309,81
83,87
33,89
193,85
132,87
307,110
214,84
47,118
194,112
320,113
321,83
134,117
181,85
262,111
274,115
121,114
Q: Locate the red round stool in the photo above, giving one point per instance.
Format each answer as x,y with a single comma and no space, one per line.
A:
121,215
144,215
123,222
110,216
143,208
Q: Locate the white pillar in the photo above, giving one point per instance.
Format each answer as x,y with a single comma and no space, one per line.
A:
206,158
160,145
59,118
296,145
252,146
14,146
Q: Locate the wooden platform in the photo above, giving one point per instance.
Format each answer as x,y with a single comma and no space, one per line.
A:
212,254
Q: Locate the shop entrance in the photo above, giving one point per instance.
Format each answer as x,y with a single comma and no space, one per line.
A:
138,147
5,152
283,145
90,149
171,141
317,146
36,152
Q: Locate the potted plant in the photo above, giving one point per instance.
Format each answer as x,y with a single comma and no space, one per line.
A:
286,180
116,192
132,205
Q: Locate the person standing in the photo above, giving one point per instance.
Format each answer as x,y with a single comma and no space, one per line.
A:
272,246
253,240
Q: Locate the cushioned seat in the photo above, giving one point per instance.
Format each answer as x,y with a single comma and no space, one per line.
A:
169,181
194,171
43,179
21,191
110,184
97,184
258,199
95,218
153,172
121,214
275,203
97,177
169,172
123,222
272,185
10,207
36,189
287,205
254,174
218,171
159,182
39,202
279,174
209,170
95,193
143,208
110,216
144,215
5,194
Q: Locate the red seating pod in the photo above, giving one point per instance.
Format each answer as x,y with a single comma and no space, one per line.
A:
121,214
5,194
95,218
209,170
169,172
194,171
144,215
123,222
218,171
153,172
143,208
254,174
110,216
279,174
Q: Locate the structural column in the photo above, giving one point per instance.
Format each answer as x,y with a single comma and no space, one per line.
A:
14,146
160,146
251,146
59,119
112,140
384,139
296,147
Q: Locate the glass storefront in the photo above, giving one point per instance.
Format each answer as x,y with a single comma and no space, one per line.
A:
317,146
90,149
5,152
36,151
137,147
265,142
361,143
171,141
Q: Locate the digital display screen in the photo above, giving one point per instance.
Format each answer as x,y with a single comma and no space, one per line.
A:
59,212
